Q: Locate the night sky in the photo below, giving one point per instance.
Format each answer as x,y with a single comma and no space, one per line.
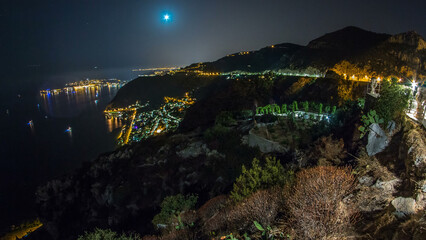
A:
65,36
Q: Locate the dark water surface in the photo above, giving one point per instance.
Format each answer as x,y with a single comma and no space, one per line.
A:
32,155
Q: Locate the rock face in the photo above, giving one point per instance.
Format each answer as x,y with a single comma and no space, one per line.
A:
404,206
410,38
378,196
265,145
377,140
196,149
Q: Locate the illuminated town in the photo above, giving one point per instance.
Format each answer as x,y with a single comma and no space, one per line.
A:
158,71
142,124
84,85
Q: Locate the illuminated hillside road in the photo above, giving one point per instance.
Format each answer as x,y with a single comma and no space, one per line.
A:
129,128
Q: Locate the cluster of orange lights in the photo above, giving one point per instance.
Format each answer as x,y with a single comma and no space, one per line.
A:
209,74
367,78
186,100
243,53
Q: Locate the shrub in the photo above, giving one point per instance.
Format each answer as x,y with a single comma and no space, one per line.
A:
211,207
107,234
260,177
245,114
317,202
225,118
172,207
216,132
327,150
367,120
284,109
306,106
294,106
262,206
393,100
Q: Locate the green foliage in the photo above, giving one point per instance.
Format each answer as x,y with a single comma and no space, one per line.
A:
327,109
172,207
258,226
393,100
267,233
272,173
367,120
216,132
246,114
246,237
306,106
225,118
361,103
230,237
334,110
107,234
294,106
284,109
320,108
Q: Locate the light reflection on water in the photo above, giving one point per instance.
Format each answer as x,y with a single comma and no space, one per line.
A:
38,148
72,103
113,123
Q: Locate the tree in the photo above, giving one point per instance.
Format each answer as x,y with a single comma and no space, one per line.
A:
306,106
260,177
172,207
284,109
294,106
393,100
277,109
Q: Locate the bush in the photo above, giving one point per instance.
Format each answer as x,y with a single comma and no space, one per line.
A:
294,106
260,177
225,119
317,202
328,151
211,207
172,207
262,206
306,106
244,114
284,109
107,234
393,100
216,132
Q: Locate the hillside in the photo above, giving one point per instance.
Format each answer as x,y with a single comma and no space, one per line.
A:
154,89
350,52
265,156
358,46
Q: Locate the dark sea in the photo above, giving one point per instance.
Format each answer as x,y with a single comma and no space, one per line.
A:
32,154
